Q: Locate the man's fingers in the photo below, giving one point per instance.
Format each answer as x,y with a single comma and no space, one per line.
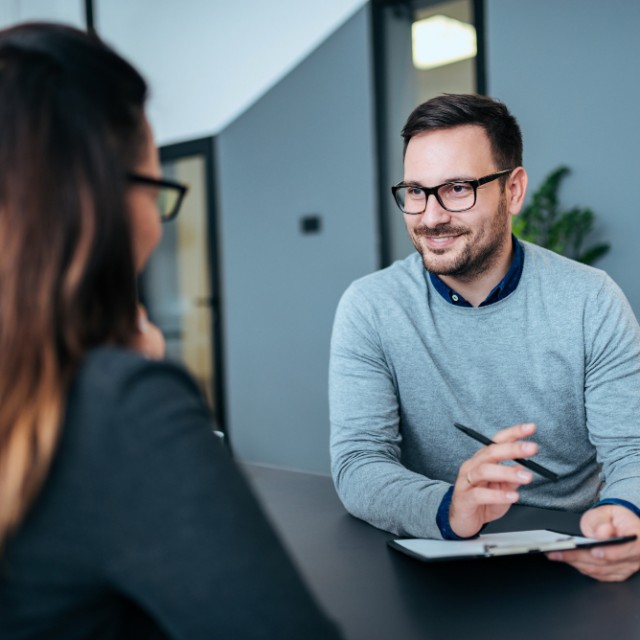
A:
496,473
598,568
607,556
607,573
593,519
484,496
507,451
583,557
518,431
604,530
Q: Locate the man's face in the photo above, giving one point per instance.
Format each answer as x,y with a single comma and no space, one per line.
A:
462,245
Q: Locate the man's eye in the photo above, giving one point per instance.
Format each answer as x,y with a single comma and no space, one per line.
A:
415,192
458,189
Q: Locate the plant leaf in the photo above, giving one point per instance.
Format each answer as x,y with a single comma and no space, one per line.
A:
544,223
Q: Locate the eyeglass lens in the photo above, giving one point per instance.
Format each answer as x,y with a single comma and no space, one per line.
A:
167,201
456,196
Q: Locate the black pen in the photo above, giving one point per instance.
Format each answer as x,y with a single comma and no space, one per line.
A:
533,466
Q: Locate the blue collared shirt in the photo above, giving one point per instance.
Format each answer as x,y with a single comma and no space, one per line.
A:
506,286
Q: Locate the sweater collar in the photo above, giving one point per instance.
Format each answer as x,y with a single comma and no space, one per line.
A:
505,287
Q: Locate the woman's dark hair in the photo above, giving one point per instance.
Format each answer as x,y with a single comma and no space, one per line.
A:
453,110
71,126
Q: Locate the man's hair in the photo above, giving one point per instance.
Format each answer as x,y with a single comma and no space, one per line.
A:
454,110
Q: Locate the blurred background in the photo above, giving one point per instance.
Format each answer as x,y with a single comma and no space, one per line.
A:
285,118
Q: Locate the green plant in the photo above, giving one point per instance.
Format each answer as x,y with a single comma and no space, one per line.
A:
565,232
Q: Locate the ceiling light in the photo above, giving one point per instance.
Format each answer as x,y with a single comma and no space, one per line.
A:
440,40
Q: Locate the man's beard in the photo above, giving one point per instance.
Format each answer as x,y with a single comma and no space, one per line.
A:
476,257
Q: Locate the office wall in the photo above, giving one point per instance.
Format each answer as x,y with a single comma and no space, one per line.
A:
568,70
209,60
304,149
206,60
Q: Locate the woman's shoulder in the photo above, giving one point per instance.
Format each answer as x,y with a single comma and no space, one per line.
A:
112,371
119,396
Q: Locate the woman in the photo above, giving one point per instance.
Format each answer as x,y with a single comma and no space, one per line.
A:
121,515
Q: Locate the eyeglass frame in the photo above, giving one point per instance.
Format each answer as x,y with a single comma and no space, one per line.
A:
475,183
166,183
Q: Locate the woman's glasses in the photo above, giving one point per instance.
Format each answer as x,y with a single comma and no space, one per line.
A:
170,193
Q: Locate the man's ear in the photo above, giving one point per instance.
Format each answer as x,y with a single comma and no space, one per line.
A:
516,188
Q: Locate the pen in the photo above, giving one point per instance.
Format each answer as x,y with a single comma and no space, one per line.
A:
533,466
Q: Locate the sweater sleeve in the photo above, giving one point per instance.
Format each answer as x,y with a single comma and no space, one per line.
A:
184,537
612,392
370,478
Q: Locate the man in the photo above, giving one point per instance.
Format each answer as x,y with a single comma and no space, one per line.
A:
497,334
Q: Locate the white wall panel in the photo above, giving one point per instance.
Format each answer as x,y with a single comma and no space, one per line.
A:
207,61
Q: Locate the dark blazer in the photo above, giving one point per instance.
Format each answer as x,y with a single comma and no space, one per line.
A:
145,527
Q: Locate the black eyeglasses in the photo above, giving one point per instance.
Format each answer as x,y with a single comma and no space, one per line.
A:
170,194
454,196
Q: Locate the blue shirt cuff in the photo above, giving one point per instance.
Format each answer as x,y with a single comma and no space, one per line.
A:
442,519
622,503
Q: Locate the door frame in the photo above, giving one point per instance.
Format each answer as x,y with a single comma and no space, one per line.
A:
205,147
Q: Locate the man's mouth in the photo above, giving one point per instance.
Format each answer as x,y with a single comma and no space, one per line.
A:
441,239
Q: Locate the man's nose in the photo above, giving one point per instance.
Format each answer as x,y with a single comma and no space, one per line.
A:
434,213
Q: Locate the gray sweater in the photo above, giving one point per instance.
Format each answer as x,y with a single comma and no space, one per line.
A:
563,351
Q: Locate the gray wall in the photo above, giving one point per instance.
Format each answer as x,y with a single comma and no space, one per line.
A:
207,61
569,72
305,148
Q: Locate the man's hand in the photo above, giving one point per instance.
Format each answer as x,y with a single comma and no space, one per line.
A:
149,340
485,489
608,564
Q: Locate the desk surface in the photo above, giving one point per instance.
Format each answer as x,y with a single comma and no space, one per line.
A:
376,593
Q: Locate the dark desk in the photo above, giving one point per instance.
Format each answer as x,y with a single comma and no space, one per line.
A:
376,593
